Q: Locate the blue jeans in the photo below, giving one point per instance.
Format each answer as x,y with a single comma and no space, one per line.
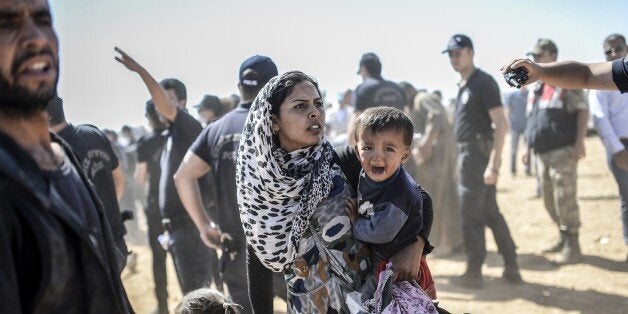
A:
621,177
479,208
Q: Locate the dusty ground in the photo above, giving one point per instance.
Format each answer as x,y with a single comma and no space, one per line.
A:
598,285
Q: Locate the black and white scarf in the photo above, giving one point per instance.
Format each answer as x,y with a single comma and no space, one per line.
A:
277,191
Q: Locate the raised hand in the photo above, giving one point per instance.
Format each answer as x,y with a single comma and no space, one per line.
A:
127,61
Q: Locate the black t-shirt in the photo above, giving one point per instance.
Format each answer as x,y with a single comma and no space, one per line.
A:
217,146
149,151
97,158
181,133
375,92
620,74
475,99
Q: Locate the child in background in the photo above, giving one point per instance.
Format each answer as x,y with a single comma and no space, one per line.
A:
388,213
206,301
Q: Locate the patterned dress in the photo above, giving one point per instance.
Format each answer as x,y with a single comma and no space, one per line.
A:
330,263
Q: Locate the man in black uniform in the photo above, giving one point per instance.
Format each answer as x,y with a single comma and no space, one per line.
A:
57,249
100,165
189,254
374,91
478,106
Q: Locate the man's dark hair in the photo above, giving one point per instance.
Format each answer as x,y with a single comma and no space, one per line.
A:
284,84
205,301
615,37
177,86
56,115
379,119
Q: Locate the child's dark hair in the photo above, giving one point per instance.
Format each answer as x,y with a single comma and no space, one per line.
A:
378,119
206,301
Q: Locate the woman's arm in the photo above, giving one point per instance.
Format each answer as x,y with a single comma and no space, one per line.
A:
407,262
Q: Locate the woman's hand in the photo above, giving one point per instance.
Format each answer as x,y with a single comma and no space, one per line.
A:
407,262
352,208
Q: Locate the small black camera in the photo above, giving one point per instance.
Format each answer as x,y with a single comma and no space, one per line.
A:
516,77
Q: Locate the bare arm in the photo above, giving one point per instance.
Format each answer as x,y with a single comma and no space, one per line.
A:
185,179
141,169
407,262
501,128
567,74
163,104
582,124
118,181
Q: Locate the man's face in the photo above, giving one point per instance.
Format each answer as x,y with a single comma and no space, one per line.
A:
206,115
461,59
615,50
544,57
29,62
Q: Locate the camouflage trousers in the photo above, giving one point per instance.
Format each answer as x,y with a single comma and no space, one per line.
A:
558,173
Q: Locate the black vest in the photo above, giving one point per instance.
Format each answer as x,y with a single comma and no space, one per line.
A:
550,128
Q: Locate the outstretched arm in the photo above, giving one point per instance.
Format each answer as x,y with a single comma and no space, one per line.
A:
163,104
567,74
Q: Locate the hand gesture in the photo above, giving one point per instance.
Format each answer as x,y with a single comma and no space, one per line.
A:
127,61
534,70
352,208
211,236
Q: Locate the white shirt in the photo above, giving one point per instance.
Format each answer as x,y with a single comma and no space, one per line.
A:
610,115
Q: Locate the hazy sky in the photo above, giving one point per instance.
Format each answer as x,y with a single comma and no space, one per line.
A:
203,42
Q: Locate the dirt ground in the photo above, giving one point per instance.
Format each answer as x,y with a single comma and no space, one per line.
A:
597,285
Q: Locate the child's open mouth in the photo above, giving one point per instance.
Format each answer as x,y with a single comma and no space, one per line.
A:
378,170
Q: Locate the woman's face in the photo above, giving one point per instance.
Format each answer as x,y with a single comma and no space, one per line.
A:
301,118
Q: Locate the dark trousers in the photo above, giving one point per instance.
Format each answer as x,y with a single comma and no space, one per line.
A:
153,219
190,256
264,285
234,276
479,208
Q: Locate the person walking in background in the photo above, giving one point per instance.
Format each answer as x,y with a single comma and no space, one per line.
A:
515,105
478,106
610,115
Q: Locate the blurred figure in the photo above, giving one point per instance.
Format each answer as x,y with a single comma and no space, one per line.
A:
410,92
374,91
339,119
209,109
478,106
149,149
555,132
435,159
515,106
610,114
100,164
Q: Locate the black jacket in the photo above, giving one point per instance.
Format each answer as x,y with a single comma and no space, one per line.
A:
37,236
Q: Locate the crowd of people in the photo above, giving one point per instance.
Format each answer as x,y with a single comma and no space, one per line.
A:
269,194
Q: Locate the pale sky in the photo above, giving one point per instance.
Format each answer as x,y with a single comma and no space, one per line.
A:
203,42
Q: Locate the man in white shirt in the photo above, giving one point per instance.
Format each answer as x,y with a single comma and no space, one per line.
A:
610,114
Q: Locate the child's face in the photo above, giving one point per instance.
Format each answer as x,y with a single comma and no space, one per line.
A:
382,153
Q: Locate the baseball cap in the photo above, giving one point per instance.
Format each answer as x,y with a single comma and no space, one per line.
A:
257,71
371,62
457,42
543,44
209,102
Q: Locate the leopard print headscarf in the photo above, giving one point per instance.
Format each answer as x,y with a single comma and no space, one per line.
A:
277,191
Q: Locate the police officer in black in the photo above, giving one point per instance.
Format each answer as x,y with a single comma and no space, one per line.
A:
478,106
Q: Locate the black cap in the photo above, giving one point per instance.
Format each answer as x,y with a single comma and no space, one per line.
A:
371,62
457,42
209,102
257,71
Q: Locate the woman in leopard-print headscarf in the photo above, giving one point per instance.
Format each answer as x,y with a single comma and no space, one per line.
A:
292,194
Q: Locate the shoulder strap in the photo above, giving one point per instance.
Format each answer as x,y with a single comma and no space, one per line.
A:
347,159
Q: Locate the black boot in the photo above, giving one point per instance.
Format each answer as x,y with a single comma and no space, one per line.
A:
570,253
558,245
